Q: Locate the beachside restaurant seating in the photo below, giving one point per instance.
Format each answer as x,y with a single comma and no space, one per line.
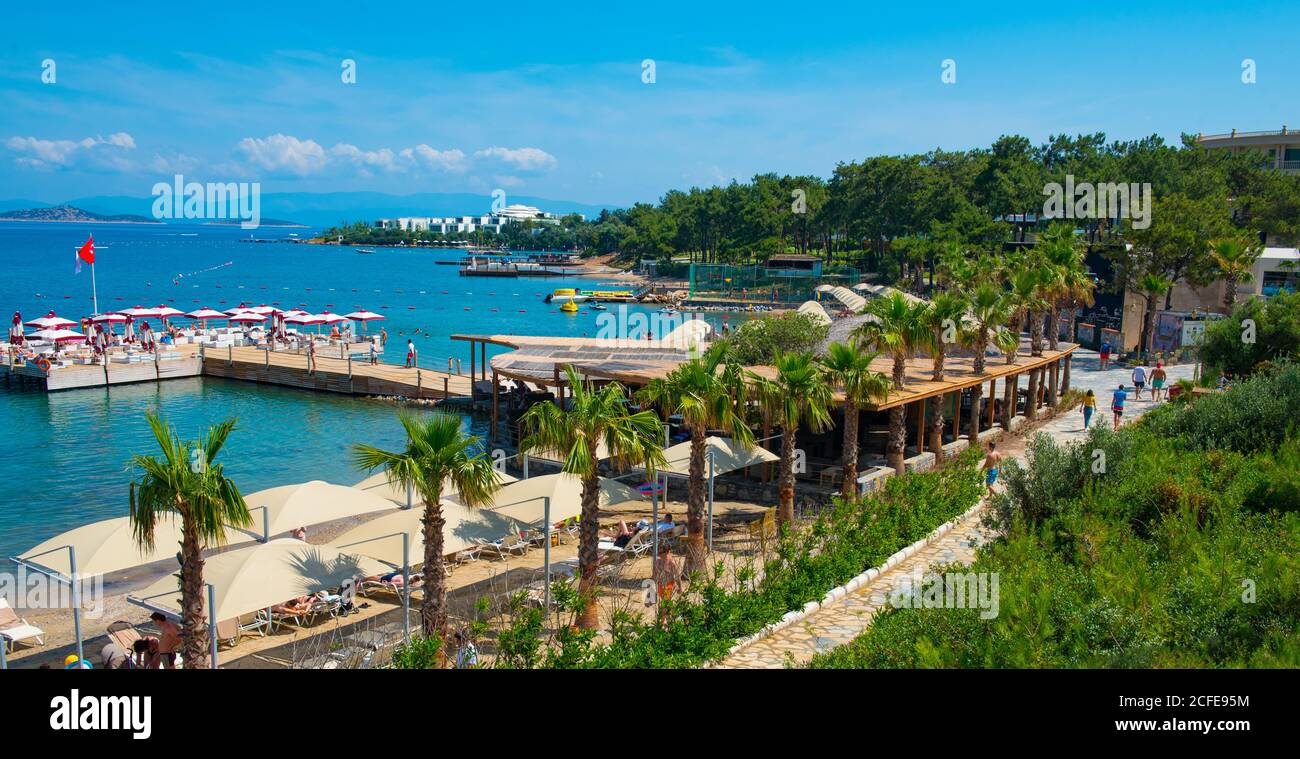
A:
14,628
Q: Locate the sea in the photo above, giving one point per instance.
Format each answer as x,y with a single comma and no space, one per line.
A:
65,456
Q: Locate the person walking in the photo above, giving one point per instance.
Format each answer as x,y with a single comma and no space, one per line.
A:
411,355
1104,354
1089,406
311,356
1139,380
1117,404
992,462
1158,378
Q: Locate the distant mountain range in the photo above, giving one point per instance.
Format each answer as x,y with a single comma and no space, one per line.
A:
327,209
71,213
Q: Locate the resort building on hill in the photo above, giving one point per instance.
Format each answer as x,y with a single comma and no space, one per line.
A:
493,222
1282,148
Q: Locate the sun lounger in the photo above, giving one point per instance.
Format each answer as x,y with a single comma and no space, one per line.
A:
639,544
124,634
504,547
14,628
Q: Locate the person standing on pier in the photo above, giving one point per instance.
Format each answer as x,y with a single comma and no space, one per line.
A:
411,354
311,356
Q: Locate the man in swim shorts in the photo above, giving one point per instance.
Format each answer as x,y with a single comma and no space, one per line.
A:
991,463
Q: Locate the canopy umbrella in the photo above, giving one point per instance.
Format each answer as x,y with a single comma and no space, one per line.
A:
205,313
556,457
381,537
377,484
246,317
264,309
167,312
57,335
727,457
288,507
50,321
254,578
303,318
523,500
103,547
364,316
108,318
140,312
328,318
296,312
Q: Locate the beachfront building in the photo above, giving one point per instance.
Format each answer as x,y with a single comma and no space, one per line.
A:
1281,147
492,222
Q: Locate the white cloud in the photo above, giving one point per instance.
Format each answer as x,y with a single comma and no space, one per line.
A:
437,160
91,152
283,153
521,159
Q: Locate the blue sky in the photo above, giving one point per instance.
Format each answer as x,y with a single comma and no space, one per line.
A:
548,100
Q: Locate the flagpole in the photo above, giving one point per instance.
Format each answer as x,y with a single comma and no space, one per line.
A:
94,294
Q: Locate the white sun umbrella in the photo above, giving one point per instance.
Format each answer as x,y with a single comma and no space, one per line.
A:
167,312
50,322
288,507
264,309
108,318
296,312
381,537
140,312
250,579
377,484
247,317
364,316
103,547
328,318
524,501
56,335
302,318
722,455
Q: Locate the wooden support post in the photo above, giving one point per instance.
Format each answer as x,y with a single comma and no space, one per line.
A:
473,366
1015,394
483,357
1065,379
559,390
992,388
445,385
920,426
956,415
493,435
419,383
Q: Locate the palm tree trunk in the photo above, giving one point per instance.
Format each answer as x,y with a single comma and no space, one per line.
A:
433,612
696,548
976,395
785,483
849,475
1050,325
1031,408
936,428
588,556
1229,293
1035,334
936,372
194,624
897,438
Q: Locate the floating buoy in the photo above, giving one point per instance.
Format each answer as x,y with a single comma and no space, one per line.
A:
410,308
522,311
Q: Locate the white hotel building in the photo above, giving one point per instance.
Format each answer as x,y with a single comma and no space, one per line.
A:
492,222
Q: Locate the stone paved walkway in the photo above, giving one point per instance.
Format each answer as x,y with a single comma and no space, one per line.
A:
839,623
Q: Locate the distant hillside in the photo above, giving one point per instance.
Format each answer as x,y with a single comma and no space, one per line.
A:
72,213
328,209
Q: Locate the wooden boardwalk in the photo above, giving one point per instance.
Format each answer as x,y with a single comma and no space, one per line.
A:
352,376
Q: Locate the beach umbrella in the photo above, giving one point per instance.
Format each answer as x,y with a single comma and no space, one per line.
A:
522,500
104,547
166,312
295,312
378,484
241,308
140,312
108,318
16,329
303,318
364,316
328,318
50,321
288,507
246,317
57,335
203,314
381,537
263,309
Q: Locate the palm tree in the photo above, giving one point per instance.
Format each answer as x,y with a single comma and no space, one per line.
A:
1071,284
438,456
990,309
1150,286
1028,298
943,319
849,369
186,482
708,393
593,416
899,329
1235,258
797,395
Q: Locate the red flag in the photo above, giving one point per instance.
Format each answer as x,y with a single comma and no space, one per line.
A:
87,251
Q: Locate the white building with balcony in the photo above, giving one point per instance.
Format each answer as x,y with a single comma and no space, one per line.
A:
1281,147
493,222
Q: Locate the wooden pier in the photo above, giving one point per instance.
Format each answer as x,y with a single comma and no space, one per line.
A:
349,375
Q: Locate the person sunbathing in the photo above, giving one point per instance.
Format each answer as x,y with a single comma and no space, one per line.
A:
624,534
299,605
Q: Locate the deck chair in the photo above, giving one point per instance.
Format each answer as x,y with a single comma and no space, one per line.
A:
124,634
14,628
763,529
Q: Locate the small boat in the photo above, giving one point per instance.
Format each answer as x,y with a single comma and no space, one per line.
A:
569,307
667,310
566,295
365,250
598,307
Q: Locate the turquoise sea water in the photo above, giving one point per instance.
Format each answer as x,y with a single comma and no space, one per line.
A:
63,455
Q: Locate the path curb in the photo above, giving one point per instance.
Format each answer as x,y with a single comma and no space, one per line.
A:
854,584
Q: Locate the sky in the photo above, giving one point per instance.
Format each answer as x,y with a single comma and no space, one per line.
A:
552,100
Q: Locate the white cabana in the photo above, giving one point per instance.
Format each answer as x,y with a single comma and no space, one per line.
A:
816,311
377,484
524,501
728,456
381,537
278,510
103,547
844,295
260,576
